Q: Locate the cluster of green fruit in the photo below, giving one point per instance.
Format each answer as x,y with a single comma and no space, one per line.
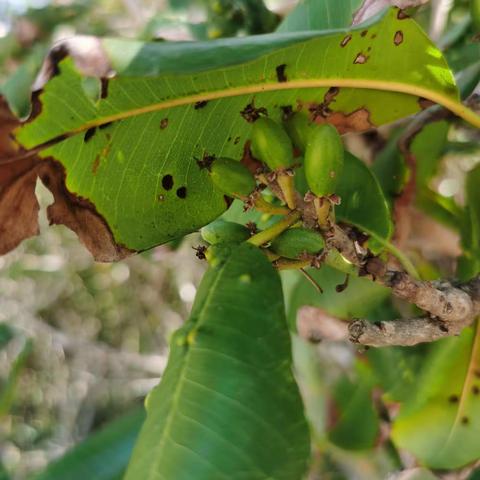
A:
320,168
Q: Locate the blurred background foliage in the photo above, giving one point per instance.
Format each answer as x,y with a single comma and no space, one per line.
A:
81,343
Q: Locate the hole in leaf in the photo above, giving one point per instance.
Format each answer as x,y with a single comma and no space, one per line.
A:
167,182
182,192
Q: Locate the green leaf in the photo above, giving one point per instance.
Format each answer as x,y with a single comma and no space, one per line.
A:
357,425
440,423
319,15
227,406
361,195
138,173
102,456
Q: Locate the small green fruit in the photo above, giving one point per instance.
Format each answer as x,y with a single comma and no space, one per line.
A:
221,231
232,177
299,128
292,243
271,144
323,160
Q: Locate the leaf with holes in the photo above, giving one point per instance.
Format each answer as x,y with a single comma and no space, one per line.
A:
119,126
228,406
440,423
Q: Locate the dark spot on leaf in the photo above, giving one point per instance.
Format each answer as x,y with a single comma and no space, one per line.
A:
369,49
361,58
206,161
477,373
323,109
229,139
453,399
105,125
182,192
167,182
163,123
345,40
250,113
237,139
465,420
398,38
201,104
475,390
425,103
281,77
363,33
374,35
104,87
89,134
401,15
287,112
96,164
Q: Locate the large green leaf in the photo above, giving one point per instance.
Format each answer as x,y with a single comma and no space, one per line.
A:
228,406
320,15
361,195
440,423
102,456
130,156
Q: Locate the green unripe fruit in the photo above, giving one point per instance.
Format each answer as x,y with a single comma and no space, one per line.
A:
221,231
271,144
292,243
232,177
301,184
323,159
299,128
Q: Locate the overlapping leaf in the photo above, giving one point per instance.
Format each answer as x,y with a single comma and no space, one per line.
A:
129,147
227,406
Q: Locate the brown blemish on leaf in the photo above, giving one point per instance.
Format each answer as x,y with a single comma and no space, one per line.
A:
453,399
356,121
96,164
105,125
248,160
250,113
79,215
476,390
477,373
200,104
363,33
163,123
425,103
361,58
287,112
402,15
182,192
280,70
374,35
398,38
323,109
236,140
104,87
167,182
465,420
345,40
89,134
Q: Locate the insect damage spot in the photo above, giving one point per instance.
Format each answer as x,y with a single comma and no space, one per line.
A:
361,58
323,109
96,164
236,140
356,121
465,420
89,134
363,33
251,113
163,123
104,87
345,40
105,125
402,15
167,182
425,103
281,76
182,192
398,38
453,399
475,390
201,104
287,112
206,161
